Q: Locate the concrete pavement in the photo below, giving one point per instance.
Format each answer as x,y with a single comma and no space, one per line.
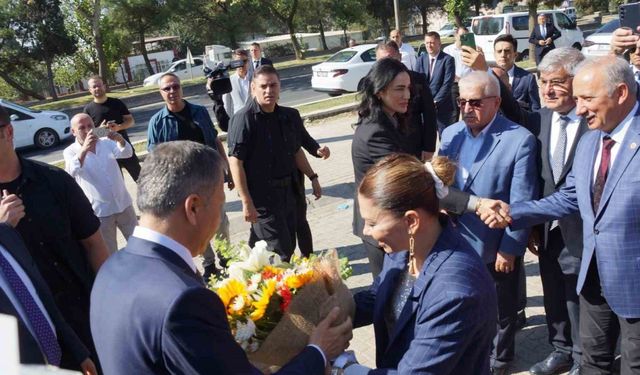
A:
330,221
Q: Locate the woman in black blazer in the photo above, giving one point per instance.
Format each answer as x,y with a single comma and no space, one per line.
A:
383,129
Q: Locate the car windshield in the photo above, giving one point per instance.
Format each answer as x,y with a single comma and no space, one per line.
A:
342,56
608,27
25,109
487,25
447,27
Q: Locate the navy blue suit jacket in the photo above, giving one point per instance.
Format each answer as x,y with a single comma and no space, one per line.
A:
444,74
525,89
151,314
536,36
612,233
449,320
73,351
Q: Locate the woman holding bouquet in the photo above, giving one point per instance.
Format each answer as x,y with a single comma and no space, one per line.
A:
433,306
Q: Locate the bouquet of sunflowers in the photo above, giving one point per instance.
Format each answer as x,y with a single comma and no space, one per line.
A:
272,306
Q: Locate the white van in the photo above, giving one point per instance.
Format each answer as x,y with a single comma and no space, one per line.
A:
488,28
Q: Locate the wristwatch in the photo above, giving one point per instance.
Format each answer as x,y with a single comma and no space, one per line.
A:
313,177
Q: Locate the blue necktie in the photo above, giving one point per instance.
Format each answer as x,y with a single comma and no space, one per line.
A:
41,328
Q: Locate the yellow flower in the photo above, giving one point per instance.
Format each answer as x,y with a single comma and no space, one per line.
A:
299,280
262,303
231,289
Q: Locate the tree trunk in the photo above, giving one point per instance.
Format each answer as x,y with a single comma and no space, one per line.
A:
425,24
23,90
143,52
385,26
457,20
477,4
103,70
322,39
52,86
346,39
296,46
533,15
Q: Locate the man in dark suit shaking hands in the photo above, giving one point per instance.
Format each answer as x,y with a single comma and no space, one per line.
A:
543,36
150,310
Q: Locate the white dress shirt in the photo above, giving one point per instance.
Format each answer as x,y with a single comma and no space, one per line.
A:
408,56
572,130
4,285
543,31
617,135
453,51
99,175
510,73
156,237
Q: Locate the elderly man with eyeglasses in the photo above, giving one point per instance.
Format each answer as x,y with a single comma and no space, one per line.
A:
496,158
180,120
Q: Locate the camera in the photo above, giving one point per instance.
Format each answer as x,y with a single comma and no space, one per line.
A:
220,83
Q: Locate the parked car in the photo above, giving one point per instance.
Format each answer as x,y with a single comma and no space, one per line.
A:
488,28
447,30
599,43
43,129
344,71
178,68
571,13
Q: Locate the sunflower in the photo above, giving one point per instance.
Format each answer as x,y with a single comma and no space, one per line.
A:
231,290
297,281
262,303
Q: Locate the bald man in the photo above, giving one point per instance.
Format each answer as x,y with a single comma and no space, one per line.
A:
92,161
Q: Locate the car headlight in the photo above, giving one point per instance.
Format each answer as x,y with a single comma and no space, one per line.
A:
59,117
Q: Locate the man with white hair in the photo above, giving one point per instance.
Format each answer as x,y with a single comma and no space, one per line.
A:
92,162
496,158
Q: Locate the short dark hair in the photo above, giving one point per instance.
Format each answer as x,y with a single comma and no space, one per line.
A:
256,44
390,45
264,70
507,38
241,52
433,34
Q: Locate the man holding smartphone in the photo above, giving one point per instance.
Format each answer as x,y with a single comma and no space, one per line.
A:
115,115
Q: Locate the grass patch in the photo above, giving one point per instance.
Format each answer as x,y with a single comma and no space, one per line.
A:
526,64
308,60
329,103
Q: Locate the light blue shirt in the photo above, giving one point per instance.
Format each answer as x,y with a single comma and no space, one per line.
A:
4,285
468,153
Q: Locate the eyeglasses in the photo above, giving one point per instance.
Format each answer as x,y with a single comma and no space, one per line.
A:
474,103
555,83
175,87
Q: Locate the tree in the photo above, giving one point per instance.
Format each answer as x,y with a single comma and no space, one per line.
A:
457,10
285,12
316,14
423,7
382,10
533,15
345,13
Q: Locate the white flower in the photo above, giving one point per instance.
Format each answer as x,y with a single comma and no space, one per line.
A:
258,258
237,304
245,331
254,282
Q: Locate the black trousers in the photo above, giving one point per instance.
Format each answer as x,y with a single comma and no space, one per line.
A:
303,231
522,286
132,165
455,94
599,331
276,222
376,257
561,302
507,290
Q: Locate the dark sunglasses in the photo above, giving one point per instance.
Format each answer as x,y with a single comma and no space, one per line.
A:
175,87
474,103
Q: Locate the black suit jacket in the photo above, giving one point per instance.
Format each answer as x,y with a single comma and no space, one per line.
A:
73,352
536,36
423,113
539,123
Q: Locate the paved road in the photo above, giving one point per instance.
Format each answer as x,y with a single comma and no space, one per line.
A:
296,90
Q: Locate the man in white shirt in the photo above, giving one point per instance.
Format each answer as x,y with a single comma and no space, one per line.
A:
240,83
92,161
407,52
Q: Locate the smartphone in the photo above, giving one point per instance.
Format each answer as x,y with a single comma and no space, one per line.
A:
630,16
468,39
101,132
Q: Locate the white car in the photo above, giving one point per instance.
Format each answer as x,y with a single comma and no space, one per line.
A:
43,129
178,68
447,30
344,71
599,43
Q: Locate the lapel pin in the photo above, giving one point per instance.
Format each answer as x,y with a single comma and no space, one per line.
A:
633,145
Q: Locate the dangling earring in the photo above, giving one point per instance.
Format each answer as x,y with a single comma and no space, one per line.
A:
412,259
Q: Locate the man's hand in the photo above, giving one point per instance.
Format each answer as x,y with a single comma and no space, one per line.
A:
505,262
89,143
11,209
333,340
250,212
494,213
88,367
324,152
317,189
115,136
623,39
474,58
548,41
534,242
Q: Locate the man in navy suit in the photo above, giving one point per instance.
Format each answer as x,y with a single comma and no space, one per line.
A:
603,186
257,60
150,310
523,84
496,158
440,70
543,36
65,348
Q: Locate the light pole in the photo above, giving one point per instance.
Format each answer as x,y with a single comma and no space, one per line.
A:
396,10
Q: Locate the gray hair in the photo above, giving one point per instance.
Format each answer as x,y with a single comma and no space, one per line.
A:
172,172
616,71
169,74
478,78
566,58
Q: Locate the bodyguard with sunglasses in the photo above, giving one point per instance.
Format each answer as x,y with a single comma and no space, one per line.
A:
180,120
496,158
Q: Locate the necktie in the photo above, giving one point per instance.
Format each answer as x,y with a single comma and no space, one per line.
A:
431,64
257,62
637,75
544,31
557,160
603,171
41,328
